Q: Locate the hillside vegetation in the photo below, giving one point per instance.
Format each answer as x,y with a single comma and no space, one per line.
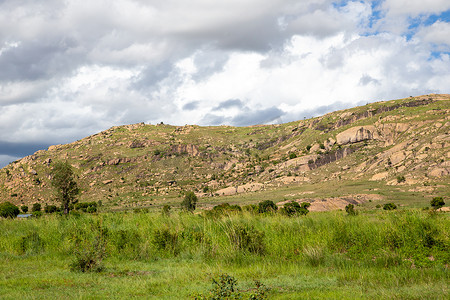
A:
386,151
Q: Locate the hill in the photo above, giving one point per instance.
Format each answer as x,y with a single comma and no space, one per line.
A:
396,150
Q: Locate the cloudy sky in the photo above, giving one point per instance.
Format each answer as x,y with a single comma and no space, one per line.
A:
72,68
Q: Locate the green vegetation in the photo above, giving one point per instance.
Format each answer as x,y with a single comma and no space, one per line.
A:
389,206
63,179
350,209
437,202
293,208
8,210
36,207
189,202
396,254
267,206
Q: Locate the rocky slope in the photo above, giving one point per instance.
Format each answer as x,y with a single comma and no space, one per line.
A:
402,142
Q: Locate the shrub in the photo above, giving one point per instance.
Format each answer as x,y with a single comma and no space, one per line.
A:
293,208
24,209
36,207
247,238
251,208
292,155
89,253
389,206
30,243
89,207
8,210
225,208
165,240
401,179
224,287
50,209
350,209
189,202
437,202
267,206
37,214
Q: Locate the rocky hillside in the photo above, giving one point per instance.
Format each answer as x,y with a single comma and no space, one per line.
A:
399,145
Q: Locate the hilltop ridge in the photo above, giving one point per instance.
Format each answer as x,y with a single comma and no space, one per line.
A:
398,149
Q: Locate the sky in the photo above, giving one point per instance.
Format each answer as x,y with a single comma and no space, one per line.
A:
69,69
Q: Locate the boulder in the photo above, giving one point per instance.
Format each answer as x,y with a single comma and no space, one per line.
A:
397,157
356,134
438,172
379,176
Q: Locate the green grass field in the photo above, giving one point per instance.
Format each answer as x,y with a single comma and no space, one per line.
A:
400,254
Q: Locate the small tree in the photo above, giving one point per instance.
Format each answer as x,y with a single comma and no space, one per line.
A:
66,187
189,201
8,210
389,206
437,202
24,209
267,206
350,209
36,207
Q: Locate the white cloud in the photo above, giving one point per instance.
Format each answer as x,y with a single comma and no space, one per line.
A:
438,33
69,69
415,7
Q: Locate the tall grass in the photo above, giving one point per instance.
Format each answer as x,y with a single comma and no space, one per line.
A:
390,238
390,248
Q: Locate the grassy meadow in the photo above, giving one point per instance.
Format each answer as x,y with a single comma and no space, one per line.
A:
401,254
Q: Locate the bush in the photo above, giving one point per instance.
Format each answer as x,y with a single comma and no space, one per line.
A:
292,155
165,240
89,252
401,179
37,214
247,238
389,206
251,208
225,287
24,209
8,210
293,208
267,206
437,202
189,202
36,207
224,208
49,209
30,243
89,207
350,209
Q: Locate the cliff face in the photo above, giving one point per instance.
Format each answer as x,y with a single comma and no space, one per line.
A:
139,164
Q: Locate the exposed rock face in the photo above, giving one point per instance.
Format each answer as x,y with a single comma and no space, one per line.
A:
357,134
191,150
